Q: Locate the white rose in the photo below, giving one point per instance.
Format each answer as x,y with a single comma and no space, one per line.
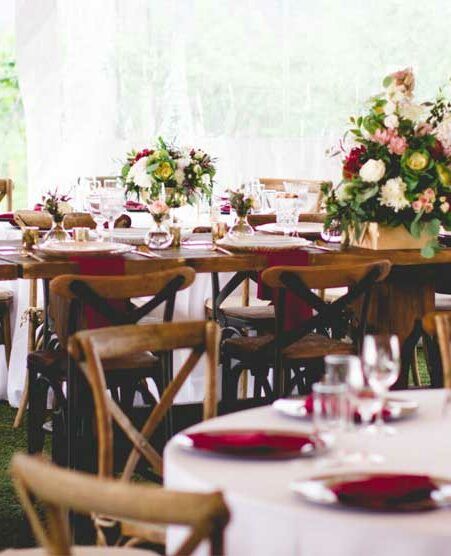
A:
411,111
138,173
182,163
393,194
372,170
389,108
179,176
391,121
206,180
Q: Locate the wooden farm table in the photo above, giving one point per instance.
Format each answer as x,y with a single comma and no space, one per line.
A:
397,305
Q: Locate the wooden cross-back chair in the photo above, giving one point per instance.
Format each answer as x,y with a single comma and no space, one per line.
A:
437,325
6,190
60,490
314,187
305,347
90,348
70,296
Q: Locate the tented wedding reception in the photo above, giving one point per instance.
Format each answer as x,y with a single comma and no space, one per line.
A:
225,277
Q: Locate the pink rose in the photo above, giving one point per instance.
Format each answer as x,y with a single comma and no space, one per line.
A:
382,136
423,129
417,205
429,194
397,145
429,207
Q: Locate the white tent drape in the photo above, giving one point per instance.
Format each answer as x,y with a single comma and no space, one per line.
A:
265,85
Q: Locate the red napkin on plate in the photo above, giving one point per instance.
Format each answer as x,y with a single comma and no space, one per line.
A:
135,206
296,310
7,217
244,441
308,404
100,266
380,491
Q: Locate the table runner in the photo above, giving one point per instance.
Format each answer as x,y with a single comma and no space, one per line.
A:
297,311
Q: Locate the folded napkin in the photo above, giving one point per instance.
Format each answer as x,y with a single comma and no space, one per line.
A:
383,491
296,310
7,217
135,206
308,404
100,266
245,441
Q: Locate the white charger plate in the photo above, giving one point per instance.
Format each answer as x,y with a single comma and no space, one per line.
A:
262,241
300,228
81,248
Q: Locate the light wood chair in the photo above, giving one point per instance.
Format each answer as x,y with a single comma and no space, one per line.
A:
60,490
314,187
89,348
6,190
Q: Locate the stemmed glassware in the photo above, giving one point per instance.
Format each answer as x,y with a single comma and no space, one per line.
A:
92,203
111,206
381,364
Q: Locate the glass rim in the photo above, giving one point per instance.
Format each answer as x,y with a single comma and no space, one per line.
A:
341,358
324,388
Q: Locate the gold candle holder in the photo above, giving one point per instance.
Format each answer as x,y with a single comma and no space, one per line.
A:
176,233
30,237
81,234
218,231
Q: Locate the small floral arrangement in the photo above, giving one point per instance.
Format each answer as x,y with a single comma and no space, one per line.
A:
241,203
159,211
398,171
184,173
56,205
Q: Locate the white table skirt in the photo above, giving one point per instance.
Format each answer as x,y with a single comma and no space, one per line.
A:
268,519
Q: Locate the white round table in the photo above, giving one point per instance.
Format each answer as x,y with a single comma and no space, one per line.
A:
269,519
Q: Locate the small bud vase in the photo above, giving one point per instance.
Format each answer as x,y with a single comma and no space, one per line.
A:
241,228
57,232
159,236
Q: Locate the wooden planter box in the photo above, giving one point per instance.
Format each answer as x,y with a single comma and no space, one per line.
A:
376,236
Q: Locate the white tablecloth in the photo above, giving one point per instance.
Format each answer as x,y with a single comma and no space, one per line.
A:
269,519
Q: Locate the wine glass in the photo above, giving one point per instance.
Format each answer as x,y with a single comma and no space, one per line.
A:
92,204
381,365
111,207
364,404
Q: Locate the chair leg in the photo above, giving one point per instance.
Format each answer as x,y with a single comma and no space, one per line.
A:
38,392
6,326
22,405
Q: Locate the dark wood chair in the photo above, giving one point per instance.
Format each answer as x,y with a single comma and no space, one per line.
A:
70,296
297,356
437,346
60,490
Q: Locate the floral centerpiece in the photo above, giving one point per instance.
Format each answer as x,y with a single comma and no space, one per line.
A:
242,204
175,175
159,237
397,173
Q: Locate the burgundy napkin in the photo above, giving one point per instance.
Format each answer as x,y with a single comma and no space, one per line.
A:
7,217
135,206
308,404
100,266
248,441
296,310
381,491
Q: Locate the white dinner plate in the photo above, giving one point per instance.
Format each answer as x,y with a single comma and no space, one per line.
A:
399,408
132,236
320,490
262,241
83,248
300,228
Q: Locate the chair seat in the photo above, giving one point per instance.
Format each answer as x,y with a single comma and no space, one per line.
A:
314,346
83,551
55,362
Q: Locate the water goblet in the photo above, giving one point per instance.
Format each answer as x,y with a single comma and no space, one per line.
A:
92,204
111,207
381,365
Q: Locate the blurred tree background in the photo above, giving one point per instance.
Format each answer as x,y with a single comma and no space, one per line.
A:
12,124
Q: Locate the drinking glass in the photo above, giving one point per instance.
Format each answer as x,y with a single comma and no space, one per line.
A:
287,213
92,204
112,183
381,364
339,366
330,416
111,207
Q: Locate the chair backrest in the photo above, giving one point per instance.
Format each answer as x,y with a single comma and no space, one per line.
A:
358,278
61,490
70,294
314,188
438,324
89,348
260,219
44,221
6,190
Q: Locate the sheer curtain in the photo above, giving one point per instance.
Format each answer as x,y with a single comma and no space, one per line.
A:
265,85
